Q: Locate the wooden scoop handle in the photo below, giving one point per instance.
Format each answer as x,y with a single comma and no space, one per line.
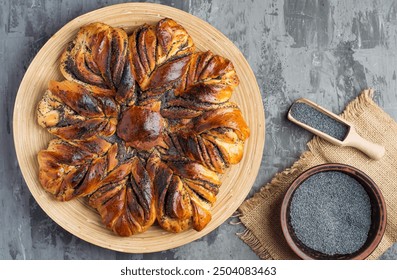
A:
374,151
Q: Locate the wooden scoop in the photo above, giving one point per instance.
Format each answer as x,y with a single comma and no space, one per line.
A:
352,138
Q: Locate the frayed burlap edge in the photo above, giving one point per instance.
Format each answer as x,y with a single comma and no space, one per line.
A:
250,239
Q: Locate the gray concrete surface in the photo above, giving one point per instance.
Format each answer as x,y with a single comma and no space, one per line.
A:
323,50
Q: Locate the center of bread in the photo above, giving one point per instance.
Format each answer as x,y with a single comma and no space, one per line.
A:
141,127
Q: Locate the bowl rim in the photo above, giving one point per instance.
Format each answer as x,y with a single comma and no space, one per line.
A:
347,169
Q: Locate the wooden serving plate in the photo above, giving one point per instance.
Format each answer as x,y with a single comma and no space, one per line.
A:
76,217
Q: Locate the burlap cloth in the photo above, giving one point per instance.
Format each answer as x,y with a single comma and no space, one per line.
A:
261,214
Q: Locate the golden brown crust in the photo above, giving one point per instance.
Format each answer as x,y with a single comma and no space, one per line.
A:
142,127
159,56
127,207
64,166
215,138
211,79
184,193
145,127
207,85
73,111
98,56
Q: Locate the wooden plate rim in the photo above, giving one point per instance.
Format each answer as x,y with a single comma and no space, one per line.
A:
137,243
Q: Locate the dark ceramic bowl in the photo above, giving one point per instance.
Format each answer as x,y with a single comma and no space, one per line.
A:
378,215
